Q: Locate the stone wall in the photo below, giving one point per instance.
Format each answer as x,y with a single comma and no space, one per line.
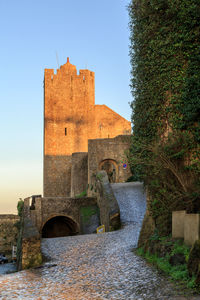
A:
70,119
31,255
186,226
113,150
57,175
87,213
79,173
50,207
8,233
109,209
89,218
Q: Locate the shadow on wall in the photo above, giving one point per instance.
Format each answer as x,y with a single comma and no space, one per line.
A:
111,168
59,226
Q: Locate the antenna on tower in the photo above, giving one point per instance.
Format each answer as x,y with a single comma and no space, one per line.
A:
57,59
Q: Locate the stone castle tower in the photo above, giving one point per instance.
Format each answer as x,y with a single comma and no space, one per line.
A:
71,118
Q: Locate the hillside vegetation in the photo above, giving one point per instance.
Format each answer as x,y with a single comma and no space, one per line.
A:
165,83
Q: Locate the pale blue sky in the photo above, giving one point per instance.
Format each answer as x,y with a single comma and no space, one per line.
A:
94,34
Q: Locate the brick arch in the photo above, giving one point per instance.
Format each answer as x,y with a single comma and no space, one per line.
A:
112,169
58,225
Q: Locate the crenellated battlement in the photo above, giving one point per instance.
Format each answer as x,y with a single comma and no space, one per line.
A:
68,72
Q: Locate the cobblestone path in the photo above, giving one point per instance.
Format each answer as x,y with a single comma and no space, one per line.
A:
95,266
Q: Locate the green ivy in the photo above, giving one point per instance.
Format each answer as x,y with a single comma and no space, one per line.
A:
165,84
20,207
170,169
165,60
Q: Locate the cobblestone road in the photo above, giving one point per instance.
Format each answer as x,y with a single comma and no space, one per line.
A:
95,266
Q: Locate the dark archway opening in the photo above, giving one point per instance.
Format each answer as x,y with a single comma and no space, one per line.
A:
59,226
110,167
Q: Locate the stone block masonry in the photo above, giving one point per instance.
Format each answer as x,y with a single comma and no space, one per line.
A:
70,119
57,175
186,226
68,210
109,208
109,155
31,246
79,173
8,233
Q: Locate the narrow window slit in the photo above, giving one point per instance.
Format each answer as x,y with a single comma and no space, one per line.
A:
65,131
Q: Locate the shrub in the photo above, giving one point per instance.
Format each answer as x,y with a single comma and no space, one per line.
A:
177,272
20,206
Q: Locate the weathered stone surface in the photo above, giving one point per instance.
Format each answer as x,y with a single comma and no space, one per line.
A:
57,175
29,229
105,154
8,233
70,119
186,226
90,218
79,173
50,207
31,245
109,208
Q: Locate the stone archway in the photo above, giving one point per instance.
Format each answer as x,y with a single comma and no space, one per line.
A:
111,168
59,226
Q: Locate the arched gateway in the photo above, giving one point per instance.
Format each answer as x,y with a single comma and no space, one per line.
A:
111,168
59,226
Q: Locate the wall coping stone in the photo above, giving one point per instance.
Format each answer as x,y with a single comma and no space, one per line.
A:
9,216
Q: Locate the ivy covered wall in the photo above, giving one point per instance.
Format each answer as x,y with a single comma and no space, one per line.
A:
165,59
165,83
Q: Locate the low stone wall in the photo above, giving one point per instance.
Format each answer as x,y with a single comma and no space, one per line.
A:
109,209
8,233
186,226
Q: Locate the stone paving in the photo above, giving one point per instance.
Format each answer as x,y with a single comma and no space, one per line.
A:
95,266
